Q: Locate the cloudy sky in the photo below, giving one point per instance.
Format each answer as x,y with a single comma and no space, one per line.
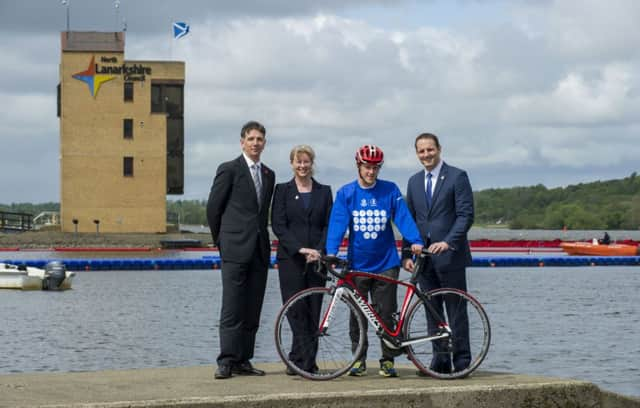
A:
520,92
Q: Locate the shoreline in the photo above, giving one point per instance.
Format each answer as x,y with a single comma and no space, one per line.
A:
51,239
195,386
56,239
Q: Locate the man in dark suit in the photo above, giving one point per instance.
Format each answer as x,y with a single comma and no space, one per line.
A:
441,201
237,212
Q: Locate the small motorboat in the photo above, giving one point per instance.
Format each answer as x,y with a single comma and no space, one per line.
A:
53,277
595,249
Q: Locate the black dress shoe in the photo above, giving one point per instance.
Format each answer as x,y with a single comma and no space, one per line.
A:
441,368
421,374
246,369
223,372
461,365
290,371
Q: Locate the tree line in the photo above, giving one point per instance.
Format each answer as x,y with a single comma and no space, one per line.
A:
28,208
610,204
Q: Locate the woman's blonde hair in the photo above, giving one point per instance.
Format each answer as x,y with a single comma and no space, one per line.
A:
306,149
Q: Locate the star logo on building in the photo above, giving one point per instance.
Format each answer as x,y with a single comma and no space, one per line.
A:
92,79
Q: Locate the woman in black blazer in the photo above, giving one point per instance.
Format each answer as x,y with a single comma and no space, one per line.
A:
299,218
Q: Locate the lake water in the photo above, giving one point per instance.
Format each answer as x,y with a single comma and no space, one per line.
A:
579,323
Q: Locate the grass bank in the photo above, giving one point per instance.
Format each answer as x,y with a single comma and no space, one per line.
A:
52,239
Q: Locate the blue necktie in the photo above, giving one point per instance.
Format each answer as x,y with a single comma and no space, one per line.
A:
428,190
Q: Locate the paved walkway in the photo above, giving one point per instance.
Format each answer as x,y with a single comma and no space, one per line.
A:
195,387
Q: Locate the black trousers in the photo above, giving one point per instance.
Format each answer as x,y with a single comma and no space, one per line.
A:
431,278
295,275
385,303
243,286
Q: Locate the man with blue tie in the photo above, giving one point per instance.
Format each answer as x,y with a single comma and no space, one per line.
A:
441,201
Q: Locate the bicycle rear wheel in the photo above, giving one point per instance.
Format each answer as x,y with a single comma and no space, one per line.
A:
454,356
313,353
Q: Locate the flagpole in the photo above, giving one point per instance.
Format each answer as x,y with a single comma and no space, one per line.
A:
116,5
66,4
171,40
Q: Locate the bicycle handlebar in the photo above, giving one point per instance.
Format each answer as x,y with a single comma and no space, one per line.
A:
423,257
330,262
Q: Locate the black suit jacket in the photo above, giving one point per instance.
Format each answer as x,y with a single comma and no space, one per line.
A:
238,225
298,227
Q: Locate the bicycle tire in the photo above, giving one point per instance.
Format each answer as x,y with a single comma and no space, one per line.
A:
333,349
438,358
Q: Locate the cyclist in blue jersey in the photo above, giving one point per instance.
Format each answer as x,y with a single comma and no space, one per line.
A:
366,207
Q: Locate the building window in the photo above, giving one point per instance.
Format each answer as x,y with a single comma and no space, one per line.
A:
175,135
175,155
167,98
128,166
156,98
58,99
128,91
127,128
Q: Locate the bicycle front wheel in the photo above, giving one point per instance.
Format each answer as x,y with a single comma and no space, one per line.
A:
454,356
312,334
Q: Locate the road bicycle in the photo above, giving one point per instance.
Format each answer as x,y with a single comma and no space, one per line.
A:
426,327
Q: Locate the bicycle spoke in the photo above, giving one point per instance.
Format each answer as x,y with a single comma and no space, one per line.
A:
298,339
463,350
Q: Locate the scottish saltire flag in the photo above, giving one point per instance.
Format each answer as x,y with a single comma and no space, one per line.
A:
180,29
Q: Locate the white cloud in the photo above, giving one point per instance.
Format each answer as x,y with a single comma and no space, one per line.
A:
32,115
555,89
579,101
583,29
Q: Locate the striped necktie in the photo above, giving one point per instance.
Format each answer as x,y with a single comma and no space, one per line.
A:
255,173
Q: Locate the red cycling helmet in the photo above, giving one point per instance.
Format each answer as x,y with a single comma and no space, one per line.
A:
370,154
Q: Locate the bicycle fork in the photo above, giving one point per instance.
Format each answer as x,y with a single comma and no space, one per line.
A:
328,317
343,293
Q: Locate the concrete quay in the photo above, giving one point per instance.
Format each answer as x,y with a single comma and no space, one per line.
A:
195,387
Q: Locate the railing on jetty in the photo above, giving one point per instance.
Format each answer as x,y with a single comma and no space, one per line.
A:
12,221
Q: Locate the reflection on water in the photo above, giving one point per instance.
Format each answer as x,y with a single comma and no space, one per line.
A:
566,322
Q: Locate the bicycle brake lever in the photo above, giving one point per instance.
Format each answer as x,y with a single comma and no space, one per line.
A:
321,270
330,260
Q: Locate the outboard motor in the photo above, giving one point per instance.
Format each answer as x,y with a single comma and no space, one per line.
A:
54,274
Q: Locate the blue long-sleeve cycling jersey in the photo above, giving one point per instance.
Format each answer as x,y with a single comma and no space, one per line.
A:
367,214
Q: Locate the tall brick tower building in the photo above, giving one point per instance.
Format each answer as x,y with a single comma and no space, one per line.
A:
121,135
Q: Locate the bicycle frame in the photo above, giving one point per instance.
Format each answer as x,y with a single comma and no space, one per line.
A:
345,286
